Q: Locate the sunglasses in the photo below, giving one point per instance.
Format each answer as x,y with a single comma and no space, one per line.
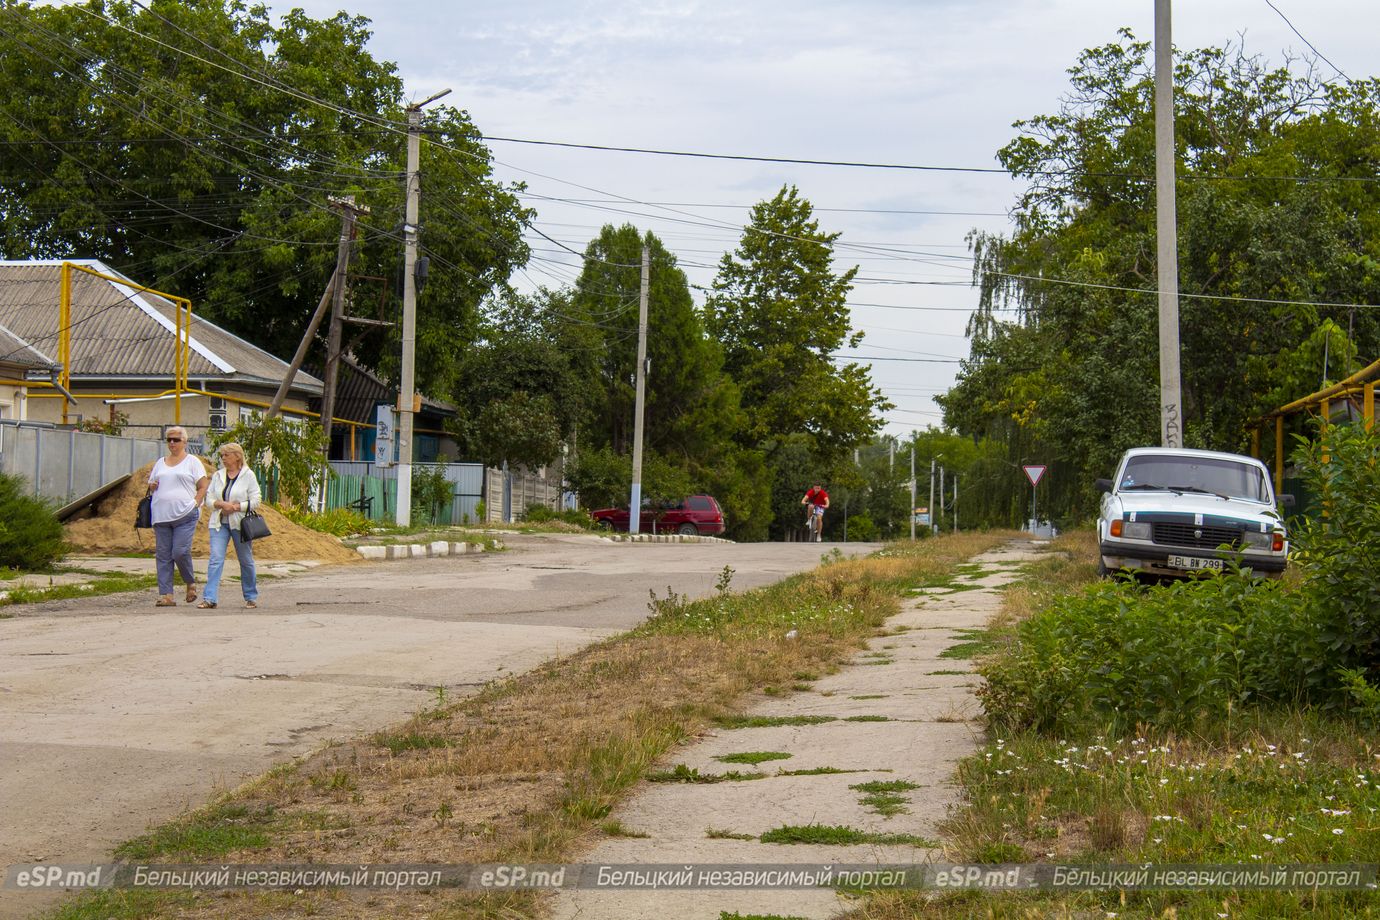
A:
174,440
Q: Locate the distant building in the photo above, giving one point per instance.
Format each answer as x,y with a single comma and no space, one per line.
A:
123,345
359,394
18,360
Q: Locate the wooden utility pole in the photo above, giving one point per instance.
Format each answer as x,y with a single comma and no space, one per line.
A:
349,212
337,278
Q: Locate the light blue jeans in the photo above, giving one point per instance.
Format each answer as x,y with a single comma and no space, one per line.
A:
244,552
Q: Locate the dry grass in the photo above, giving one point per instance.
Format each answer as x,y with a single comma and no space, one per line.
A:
530,768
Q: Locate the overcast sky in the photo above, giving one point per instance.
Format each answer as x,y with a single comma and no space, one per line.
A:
928,82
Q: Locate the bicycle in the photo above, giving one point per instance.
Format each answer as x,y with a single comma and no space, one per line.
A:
814,523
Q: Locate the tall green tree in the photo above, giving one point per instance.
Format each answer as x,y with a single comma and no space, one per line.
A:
692,413
195,144
780,311
1277,203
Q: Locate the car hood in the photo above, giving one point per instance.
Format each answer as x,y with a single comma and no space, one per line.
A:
1194,503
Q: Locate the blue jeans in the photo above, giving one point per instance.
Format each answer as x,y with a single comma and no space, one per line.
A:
244,552
173,547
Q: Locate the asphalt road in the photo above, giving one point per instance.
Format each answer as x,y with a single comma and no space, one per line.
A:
115,715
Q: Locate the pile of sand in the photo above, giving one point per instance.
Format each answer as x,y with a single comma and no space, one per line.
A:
108,529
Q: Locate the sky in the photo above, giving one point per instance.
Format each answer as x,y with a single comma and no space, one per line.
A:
919,82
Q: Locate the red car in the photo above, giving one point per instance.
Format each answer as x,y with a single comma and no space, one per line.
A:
696,514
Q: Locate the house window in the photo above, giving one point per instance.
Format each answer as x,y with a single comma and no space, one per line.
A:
246,412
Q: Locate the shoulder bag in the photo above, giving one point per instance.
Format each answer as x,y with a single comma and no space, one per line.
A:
143,515
253,526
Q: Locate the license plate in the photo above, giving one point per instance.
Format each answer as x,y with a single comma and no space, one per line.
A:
1195,563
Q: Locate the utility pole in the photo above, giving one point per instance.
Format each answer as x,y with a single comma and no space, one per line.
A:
635,507
337,281
912,492
932,518
403,512
940,509
348,212
1166,232
955,503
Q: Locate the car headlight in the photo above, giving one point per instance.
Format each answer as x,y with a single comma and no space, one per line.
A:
1131,530
1254,539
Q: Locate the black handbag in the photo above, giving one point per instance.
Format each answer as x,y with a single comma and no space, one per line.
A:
253,526
143,516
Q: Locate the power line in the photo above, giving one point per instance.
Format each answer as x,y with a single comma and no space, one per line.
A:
1306,41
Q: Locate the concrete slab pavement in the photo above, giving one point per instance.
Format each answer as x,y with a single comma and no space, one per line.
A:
931,724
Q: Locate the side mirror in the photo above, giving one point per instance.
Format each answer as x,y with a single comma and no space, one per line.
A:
1103,485
1287,501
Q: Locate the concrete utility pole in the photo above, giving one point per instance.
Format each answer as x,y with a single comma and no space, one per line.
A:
940,522
1166,232
349,212
337,281
955,503
403,513
931,524
912,492
635,506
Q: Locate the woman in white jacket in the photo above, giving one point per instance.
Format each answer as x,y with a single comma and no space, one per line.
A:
233,490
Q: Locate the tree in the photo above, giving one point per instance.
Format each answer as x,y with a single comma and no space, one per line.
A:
692,415
1267,210
180,142
780,312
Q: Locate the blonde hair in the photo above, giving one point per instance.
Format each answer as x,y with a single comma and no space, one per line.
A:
231,447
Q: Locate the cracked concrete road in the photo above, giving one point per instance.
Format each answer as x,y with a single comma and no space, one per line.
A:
899,711
115,715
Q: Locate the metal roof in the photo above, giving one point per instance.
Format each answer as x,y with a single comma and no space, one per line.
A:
119,332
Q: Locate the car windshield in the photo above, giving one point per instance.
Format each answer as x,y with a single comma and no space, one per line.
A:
1225,478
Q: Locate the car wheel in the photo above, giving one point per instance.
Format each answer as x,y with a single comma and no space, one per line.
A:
689,530
603,525
1102,570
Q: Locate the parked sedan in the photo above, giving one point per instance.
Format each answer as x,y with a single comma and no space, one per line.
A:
694,515
1170,512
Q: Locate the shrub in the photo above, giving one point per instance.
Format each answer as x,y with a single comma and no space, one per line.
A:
431,493
340,522
30,536
537,514
286,454
1169,656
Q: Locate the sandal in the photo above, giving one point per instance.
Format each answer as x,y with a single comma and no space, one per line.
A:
191,592
251,605
206,605
165,602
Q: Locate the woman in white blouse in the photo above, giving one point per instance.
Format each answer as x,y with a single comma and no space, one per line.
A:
178,483
234,490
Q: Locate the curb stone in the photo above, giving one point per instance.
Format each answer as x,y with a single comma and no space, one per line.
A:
422,550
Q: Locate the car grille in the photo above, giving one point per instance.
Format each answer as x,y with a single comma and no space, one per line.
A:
1188,535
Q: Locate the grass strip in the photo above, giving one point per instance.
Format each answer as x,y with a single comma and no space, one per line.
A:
102,584
840,835
538,761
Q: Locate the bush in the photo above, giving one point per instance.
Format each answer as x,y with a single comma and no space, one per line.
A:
431,493
537,514
339,522
286,454
30,536
1171,656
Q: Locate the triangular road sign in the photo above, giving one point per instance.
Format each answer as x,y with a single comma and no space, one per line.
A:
1033,473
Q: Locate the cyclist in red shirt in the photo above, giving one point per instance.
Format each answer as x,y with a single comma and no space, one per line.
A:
817,499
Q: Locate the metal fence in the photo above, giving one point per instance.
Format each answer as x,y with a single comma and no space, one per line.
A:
64,464
378,486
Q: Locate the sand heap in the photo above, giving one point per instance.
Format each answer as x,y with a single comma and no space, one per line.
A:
108,528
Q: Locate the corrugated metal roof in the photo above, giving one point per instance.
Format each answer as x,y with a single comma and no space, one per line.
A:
119,332
16,352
